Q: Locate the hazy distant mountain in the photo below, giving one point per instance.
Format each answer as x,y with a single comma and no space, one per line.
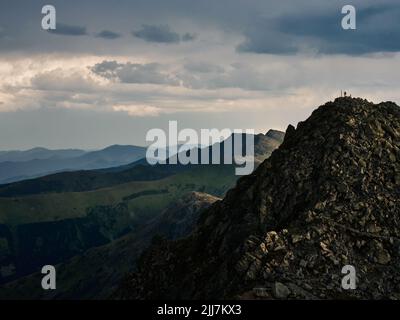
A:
78,181
39,153
21,165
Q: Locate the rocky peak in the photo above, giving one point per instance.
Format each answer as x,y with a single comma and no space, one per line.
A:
275,134
328,197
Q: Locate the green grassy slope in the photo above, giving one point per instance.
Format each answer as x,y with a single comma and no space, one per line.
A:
50,228
141,196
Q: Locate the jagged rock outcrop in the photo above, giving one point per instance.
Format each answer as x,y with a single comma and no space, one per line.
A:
328,197
265,144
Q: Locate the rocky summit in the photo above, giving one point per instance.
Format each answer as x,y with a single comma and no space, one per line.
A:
327,198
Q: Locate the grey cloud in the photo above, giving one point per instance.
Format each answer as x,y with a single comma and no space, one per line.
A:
258,41
106,69
107,34
194,75
201,75
188,37
202,67
56,80
161,34
150,73
236,75
378,30
69,30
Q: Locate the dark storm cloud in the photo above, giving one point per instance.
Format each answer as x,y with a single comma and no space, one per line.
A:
378,30
107,34
150,73
161,34
268,26
69,30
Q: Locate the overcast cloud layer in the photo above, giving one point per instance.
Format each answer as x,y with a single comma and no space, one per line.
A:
114,69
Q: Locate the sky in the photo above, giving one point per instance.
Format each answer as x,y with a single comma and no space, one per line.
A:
112,70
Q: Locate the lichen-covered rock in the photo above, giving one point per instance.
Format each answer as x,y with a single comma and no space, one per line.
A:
280,291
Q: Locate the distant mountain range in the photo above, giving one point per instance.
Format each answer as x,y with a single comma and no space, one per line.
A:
22,165
51,219
39,153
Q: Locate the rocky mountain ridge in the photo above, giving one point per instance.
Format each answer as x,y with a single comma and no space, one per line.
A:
328,197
